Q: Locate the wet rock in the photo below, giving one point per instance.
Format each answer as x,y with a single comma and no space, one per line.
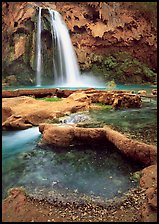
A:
76,118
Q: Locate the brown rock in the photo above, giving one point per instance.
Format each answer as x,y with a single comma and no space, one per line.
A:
154,91
151,194
29,92
136,150
32,112
59,135
6,112
15,122
89,135
149,182
64,135
149,177
148,215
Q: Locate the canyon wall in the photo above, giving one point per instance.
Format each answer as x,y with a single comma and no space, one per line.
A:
115,40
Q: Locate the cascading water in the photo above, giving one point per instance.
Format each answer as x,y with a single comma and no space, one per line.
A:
38,51
65,67
66,72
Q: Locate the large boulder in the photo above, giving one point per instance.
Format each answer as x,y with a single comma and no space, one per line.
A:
57,135
65,135
16,122
126,101
149,182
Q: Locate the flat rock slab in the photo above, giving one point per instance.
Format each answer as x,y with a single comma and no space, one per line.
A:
27,111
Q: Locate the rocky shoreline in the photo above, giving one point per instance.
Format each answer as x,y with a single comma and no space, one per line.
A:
137,205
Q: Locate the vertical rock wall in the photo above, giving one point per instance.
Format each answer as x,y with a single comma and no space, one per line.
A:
104,36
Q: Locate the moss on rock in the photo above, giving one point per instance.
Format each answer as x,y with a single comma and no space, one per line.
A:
123,68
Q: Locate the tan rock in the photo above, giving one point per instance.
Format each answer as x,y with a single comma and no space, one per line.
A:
15,122
6,112
142,92
33,112
138,151
80,96
58,135
19,47
64,135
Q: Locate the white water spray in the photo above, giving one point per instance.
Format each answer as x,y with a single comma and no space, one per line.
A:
65,66
66,72
38,51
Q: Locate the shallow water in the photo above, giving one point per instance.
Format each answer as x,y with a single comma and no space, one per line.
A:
135,88
139,123
86,170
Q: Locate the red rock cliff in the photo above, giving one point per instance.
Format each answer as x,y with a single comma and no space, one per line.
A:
98,29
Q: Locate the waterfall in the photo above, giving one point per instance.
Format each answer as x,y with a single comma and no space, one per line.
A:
65,67
38,50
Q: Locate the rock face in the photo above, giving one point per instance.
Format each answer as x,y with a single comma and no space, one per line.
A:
109,38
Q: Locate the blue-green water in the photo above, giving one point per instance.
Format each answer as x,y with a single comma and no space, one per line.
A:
87,170
139,123
102,87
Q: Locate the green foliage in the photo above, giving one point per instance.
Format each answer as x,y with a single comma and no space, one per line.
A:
111,85
110,62
107,107
52,99
123,68
136,176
